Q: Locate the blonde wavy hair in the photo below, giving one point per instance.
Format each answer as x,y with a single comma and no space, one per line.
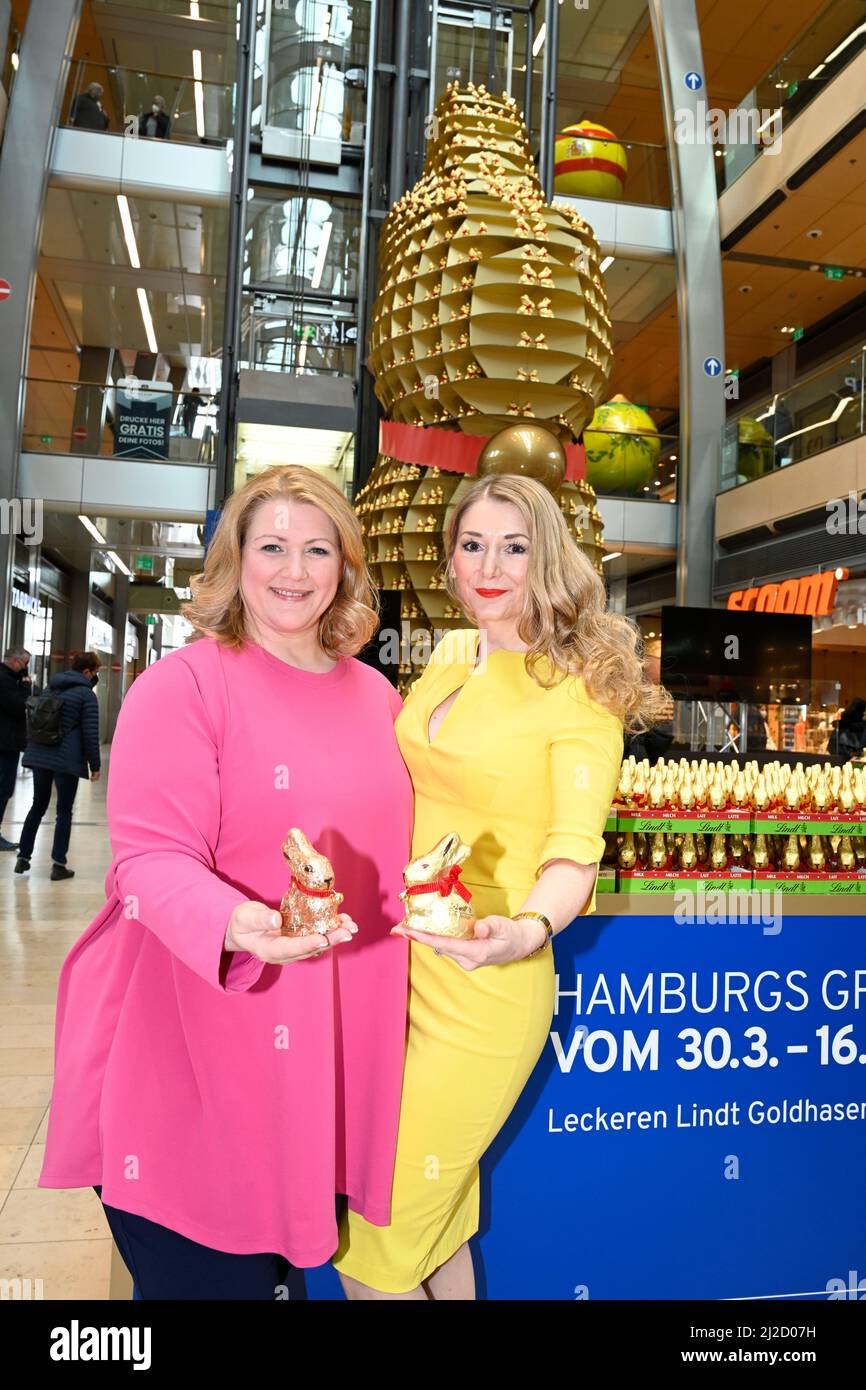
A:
566,619
217,608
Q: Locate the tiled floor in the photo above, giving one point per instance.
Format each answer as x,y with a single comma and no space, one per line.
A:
58,1237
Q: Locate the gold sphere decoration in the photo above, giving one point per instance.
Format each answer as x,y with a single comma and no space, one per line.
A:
528,449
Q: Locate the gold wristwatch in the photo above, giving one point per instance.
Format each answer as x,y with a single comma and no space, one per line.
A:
545,921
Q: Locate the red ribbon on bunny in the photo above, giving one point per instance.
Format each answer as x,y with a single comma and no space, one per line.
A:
449,882
310,892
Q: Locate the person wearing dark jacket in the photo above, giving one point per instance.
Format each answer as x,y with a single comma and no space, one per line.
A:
87,112
189,410
61,765
14,690
651,743
848,738
156,122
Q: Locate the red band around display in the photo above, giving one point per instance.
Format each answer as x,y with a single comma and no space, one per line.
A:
453,451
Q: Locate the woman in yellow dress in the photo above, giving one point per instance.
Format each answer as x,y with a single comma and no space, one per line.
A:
513,737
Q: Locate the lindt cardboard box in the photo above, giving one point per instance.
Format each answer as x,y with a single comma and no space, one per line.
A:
807,881
809,823
648,821
640,880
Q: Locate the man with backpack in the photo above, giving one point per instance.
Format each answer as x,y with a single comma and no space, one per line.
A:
62,747
14,690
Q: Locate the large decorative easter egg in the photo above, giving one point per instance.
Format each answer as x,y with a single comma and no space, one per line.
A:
622,461
755,452
589,162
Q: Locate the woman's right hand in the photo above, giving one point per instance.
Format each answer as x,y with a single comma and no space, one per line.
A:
255,927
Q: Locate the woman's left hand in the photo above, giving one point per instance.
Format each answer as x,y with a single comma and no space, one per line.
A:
497,941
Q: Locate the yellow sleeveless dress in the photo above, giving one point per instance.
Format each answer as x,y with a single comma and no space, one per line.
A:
524,775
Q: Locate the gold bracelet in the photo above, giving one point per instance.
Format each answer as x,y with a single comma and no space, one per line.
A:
545,921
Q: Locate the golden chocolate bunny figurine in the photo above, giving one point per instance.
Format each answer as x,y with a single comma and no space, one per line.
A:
436,901
311,903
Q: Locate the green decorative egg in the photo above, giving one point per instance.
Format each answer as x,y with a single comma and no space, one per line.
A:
624,461
755,454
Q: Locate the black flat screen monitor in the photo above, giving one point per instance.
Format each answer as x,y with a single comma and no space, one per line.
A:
718,653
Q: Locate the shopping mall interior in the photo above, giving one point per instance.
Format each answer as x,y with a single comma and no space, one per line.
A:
196,277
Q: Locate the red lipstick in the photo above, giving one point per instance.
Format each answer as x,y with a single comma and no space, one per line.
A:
491,593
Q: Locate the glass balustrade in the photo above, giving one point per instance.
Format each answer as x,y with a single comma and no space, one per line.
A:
189,109
222,12
132,419
818,413
816,57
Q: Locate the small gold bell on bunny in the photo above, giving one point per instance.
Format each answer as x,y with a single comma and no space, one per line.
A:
310,905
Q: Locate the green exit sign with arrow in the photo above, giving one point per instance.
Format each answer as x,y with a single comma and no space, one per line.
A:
833,272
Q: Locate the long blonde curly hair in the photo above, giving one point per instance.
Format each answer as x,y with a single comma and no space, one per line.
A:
217,607
566,623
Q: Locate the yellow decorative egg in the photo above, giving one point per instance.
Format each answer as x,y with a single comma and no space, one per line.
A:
589,162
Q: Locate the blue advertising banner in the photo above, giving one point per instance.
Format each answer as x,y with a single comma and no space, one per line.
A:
696,1126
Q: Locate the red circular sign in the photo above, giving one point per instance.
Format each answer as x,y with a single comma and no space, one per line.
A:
79,432
5,289
116,666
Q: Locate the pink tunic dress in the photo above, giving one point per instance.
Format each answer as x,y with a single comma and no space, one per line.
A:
224,1098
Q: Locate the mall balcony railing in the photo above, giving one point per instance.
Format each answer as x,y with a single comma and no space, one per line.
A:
833,39
82,417
216,11
823,410
200,112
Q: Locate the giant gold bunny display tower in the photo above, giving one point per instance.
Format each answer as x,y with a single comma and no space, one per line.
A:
490,344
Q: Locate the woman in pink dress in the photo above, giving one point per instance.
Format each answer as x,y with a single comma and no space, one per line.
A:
218,1082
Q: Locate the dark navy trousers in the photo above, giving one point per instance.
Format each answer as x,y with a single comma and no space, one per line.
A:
167,1265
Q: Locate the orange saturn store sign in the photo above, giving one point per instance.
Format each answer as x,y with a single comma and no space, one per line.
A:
813,594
